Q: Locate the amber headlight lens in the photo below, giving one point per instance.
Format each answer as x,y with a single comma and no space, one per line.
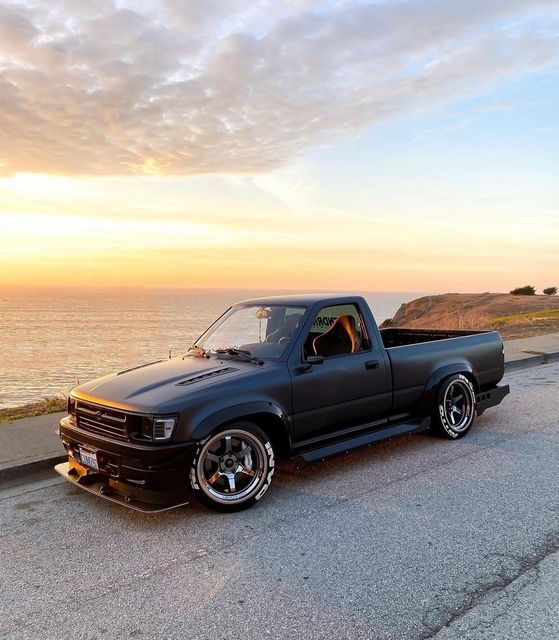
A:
72,410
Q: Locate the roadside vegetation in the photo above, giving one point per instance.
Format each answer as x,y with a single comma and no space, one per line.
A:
527,290
525,324
39,408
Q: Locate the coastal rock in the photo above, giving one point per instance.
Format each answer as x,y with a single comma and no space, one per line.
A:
514,316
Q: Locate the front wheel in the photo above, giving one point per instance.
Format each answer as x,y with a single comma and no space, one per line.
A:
232,468
455,409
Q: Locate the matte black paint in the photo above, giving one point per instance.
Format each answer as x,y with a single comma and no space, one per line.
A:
331,406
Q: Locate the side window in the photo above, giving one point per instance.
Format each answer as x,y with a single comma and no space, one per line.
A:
337,330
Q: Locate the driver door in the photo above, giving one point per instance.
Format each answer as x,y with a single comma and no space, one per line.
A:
347,389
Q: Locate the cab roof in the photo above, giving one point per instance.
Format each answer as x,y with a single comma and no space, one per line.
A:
302,299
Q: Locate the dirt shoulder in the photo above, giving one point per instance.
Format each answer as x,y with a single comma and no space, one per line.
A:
513,316
39,408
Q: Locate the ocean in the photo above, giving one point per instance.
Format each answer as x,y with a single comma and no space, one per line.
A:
49,339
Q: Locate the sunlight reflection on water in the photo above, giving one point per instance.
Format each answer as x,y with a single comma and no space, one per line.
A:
48,339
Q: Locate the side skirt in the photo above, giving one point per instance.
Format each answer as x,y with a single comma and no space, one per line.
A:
344,446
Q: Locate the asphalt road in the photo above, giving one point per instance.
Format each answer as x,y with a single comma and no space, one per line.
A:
411,539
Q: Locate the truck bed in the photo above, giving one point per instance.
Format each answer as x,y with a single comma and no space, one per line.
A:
395,337
415,354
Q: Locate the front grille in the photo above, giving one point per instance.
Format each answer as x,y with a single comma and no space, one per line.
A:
103,420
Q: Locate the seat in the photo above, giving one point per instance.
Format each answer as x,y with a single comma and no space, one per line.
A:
287,329
341,338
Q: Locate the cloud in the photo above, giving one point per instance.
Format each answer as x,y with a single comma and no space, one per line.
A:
216,86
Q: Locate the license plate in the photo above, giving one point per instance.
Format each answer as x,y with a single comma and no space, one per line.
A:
89,458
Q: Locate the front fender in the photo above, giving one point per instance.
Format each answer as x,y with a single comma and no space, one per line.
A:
429,396
238,412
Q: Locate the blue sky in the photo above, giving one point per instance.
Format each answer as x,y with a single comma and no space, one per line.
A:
505,142
392,145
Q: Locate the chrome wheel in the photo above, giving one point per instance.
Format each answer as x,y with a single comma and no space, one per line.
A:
233,466
458,405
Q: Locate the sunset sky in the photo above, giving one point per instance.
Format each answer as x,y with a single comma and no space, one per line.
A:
297,144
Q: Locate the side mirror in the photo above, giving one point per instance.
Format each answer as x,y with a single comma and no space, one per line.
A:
312,360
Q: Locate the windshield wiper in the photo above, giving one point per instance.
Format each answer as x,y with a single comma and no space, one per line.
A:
199,351
232,351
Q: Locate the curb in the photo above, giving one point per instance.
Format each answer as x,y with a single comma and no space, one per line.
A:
18,470
532,361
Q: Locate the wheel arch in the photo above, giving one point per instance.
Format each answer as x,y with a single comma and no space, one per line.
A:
266,415
432,386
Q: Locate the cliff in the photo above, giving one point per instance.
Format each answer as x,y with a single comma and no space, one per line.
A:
513,316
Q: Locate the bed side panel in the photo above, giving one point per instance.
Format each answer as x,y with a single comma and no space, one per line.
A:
413,365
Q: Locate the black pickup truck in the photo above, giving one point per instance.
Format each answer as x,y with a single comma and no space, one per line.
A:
304,376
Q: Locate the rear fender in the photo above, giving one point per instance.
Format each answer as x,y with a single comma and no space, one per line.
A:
427,403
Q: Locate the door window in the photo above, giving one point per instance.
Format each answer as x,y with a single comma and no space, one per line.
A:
337,330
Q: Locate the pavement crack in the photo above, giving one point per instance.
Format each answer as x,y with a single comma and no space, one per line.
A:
511,568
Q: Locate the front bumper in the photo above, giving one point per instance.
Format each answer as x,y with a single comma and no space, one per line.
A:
143,477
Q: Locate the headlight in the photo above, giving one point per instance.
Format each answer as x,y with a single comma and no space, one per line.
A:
163,428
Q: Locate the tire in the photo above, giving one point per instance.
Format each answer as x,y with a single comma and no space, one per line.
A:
233,467
455,410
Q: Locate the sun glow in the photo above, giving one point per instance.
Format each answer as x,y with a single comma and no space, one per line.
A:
410,148
237,232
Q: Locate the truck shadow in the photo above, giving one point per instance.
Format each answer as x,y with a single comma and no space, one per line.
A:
345,477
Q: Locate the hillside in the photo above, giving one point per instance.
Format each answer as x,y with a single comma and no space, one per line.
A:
513,316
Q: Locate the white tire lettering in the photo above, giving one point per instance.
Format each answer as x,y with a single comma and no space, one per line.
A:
444,422
197,483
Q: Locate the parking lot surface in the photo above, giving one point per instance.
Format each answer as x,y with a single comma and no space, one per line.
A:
414,538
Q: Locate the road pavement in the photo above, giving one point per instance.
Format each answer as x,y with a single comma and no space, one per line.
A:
414,538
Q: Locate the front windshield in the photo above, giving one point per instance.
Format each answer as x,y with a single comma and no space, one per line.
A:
260,331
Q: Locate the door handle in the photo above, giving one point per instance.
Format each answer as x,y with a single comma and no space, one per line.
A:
372,364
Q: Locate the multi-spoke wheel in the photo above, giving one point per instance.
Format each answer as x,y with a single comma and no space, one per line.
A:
456,407
233,467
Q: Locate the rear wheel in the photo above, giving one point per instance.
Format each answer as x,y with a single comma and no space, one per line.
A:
233,468
456,406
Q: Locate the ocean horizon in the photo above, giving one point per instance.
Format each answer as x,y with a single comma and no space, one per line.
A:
52,337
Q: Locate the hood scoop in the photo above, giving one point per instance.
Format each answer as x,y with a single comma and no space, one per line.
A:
206,376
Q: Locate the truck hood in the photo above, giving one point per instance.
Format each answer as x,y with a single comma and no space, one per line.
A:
158,386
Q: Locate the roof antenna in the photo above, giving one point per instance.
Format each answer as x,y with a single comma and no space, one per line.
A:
170,354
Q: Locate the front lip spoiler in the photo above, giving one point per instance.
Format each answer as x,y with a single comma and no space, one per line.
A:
98,485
